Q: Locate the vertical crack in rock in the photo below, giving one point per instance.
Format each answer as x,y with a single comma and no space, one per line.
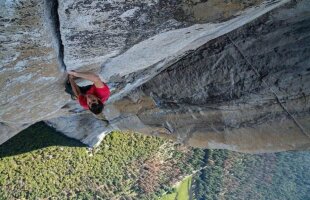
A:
52,18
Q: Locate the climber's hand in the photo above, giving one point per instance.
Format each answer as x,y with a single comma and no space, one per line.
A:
72,72
70,76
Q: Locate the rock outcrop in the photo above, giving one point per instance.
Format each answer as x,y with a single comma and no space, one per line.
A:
235,77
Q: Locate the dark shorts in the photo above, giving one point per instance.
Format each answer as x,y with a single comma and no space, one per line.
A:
69,90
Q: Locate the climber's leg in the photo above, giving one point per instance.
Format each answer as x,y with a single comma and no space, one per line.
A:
68,89
84,89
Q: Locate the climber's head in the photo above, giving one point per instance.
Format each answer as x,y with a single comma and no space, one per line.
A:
94,104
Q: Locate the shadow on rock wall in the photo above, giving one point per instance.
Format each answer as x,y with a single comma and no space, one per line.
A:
36,137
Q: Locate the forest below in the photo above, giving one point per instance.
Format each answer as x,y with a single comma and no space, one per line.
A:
41,163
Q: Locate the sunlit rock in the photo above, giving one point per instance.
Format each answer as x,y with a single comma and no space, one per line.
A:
28,66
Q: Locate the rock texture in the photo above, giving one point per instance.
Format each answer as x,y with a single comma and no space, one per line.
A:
240,82
86,124
28,67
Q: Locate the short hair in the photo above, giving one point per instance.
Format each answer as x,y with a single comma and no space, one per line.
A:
96,108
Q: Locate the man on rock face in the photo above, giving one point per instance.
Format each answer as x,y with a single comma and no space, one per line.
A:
90,97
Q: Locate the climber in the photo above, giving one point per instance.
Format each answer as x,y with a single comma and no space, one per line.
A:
90,97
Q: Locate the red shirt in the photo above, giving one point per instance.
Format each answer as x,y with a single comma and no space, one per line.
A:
102,93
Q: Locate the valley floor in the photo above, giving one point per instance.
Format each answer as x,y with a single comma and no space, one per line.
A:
40,163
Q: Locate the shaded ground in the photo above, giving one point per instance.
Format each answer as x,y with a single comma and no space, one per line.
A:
37,137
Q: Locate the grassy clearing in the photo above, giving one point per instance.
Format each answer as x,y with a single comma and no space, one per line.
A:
171,196
181,191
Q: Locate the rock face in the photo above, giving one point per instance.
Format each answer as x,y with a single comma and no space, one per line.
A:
28,67
240,82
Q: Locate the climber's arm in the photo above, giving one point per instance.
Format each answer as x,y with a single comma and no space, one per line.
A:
75,88
89,76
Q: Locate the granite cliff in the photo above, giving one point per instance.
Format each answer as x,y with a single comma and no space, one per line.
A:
211,74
